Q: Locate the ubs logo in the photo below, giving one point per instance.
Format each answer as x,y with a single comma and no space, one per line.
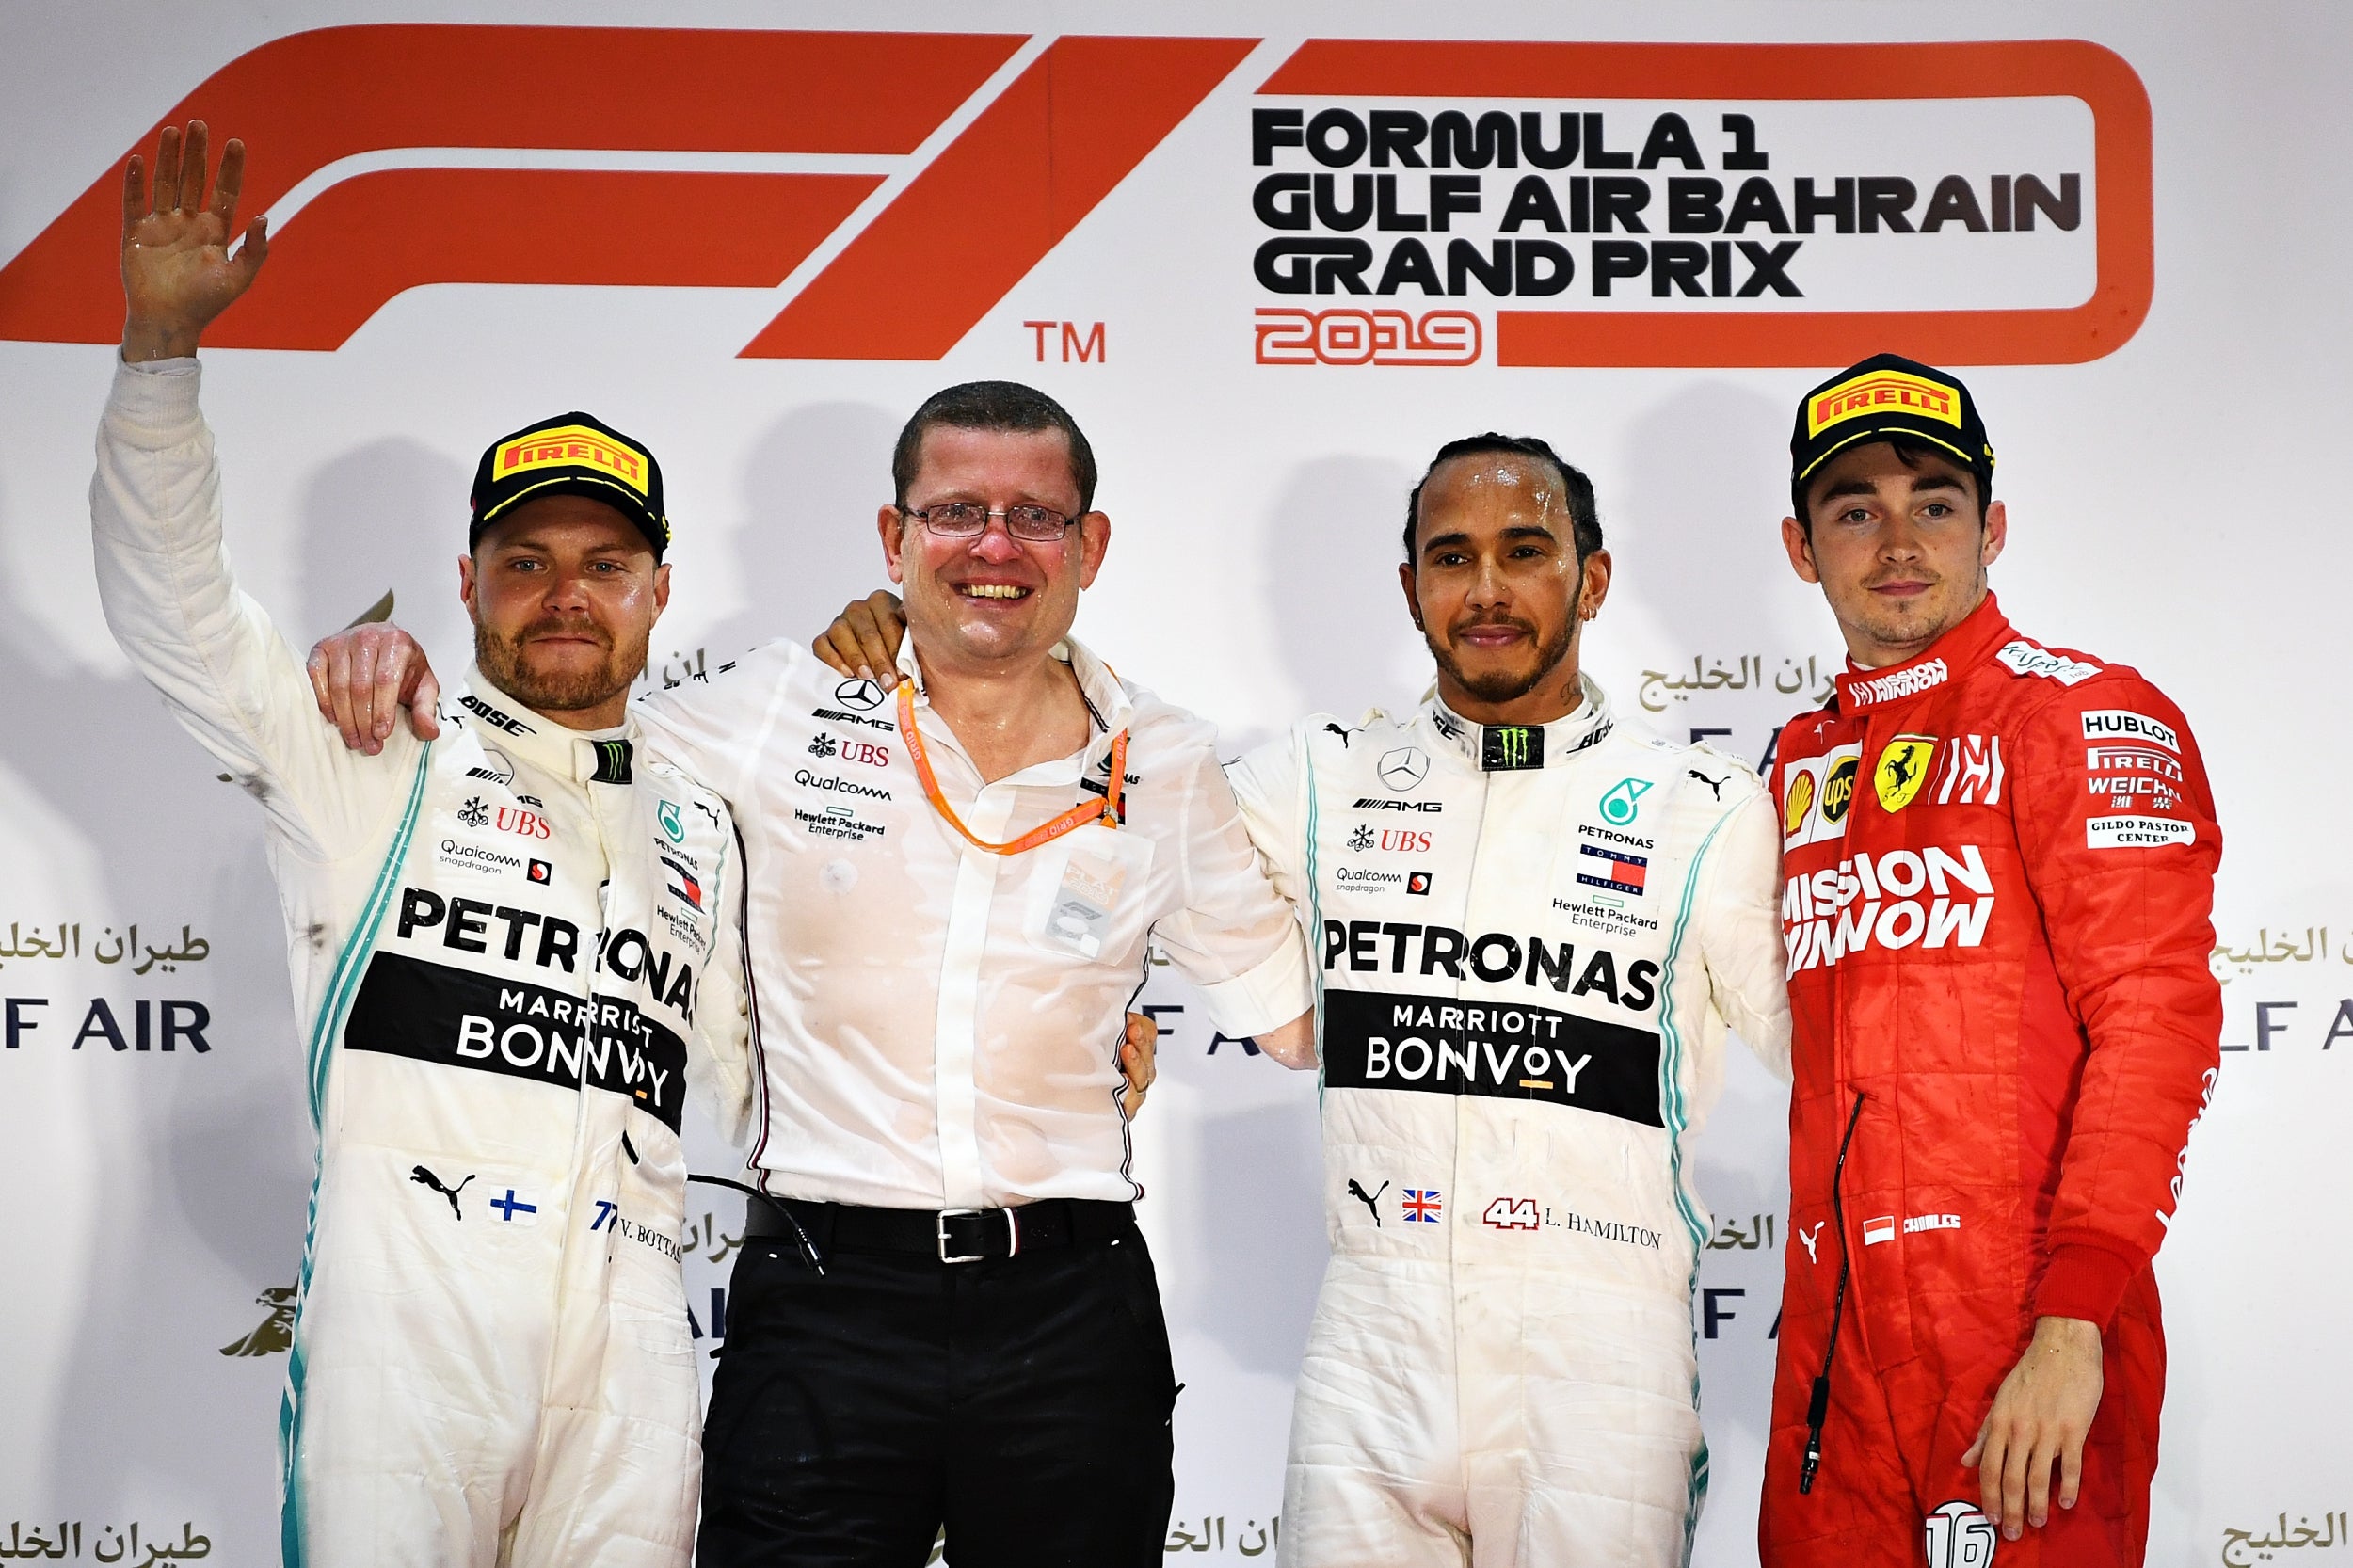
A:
1401,840
522,824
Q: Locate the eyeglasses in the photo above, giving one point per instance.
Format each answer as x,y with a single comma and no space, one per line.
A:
965,520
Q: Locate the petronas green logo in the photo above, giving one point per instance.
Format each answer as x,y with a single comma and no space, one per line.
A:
1623,801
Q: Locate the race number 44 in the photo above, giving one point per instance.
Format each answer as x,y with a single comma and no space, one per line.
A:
1512,1214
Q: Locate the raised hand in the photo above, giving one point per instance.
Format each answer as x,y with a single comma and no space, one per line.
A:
177,271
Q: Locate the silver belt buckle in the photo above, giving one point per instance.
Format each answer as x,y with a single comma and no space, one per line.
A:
945,1256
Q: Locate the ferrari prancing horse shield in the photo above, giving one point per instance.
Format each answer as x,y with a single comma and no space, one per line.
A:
1902,767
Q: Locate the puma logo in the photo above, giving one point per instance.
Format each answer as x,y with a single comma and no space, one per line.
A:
1370,1200
1343,735
1714,786
424,1178
1808,1236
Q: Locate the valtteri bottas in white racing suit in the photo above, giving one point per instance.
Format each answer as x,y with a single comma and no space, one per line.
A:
504,943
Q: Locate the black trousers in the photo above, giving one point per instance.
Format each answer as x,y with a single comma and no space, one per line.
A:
1023,1402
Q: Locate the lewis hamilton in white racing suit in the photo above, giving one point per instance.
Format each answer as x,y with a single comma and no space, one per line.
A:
507,945
1534,934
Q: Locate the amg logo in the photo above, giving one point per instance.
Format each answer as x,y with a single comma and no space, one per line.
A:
1369,804
492,716
1356,946
837,716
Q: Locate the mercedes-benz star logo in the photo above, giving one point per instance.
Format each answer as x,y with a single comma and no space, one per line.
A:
859,692
1404,768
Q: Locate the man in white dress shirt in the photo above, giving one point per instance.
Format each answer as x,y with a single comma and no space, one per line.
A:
945,1313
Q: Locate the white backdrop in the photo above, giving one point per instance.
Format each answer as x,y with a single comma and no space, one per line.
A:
2173,492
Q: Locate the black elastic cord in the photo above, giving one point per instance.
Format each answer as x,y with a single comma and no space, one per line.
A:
1818,1408
809,1248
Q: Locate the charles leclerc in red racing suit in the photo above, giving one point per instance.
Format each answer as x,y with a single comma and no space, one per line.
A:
1997,873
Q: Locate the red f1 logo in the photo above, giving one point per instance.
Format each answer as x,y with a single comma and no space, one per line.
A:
325,111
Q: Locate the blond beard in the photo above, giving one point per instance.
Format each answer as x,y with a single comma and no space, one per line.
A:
502,663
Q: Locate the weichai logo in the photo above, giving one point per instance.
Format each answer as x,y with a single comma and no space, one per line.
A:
1766,204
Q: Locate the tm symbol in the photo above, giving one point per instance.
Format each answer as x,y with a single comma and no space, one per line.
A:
1087,350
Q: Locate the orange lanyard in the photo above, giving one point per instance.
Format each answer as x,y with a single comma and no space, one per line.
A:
1105,810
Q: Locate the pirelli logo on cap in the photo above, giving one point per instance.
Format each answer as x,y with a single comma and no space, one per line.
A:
1883,389
572,446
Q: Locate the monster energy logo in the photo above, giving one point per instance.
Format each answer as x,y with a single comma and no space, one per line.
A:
1507,748
612,762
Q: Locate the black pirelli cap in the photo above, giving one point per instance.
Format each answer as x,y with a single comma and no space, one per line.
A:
572,454
1888,395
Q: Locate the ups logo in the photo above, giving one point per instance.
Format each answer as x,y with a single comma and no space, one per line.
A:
1838,789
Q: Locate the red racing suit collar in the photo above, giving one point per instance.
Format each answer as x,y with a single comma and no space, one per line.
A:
1980,633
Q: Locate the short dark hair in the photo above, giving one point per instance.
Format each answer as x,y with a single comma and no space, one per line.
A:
1909,452
1585,521
991,405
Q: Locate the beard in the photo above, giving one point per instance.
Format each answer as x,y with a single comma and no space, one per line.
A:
505,661
1498,686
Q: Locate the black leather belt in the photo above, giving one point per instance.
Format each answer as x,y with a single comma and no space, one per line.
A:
949,1235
